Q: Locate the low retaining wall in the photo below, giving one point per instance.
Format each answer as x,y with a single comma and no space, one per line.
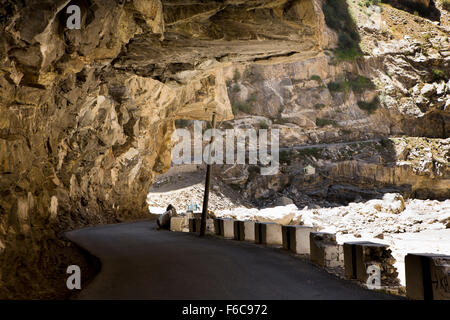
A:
179,224
324,250
239,230
296,238
224,227
268,233
194,225
427,276
228,228
371,263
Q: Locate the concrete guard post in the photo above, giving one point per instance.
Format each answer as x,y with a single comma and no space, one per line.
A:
360,255
228,228
249,231
210,227
427,276
177,224
194,225
296,238
268,233
324,250
239,230
218,226
287,233
258,233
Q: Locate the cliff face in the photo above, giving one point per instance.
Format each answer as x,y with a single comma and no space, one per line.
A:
87,115
398,85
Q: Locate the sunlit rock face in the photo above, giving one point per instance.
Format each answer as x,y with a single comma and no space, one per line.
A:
87,115
405,67
199,34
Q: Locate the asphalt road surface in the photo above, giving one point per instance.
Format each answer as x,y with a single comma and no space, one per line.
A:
140,262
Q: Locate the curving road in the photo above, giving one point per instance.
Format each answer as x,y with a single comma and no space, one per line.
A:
139,262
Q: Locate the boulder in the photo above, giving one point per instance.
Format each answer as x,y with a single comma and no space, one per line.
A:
296,238
163,220
279,214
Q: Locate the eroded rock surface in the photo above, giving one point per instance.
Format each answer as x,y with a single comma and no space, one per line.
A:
87,115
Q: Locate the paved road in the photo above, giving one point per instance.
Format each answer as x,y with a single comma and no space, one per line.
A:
139,262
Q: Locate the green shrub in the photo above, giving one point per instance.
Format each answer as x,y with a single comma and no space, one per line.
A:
241,106
347,54
369,107
346,131
336,86
337,17
236,88
345,40
360,84
321,122
315,152
439,74
319,106
285,156
316,78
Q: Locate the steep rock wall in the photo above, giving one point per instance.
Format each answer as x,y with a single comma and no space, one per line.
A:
87,115
399,85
